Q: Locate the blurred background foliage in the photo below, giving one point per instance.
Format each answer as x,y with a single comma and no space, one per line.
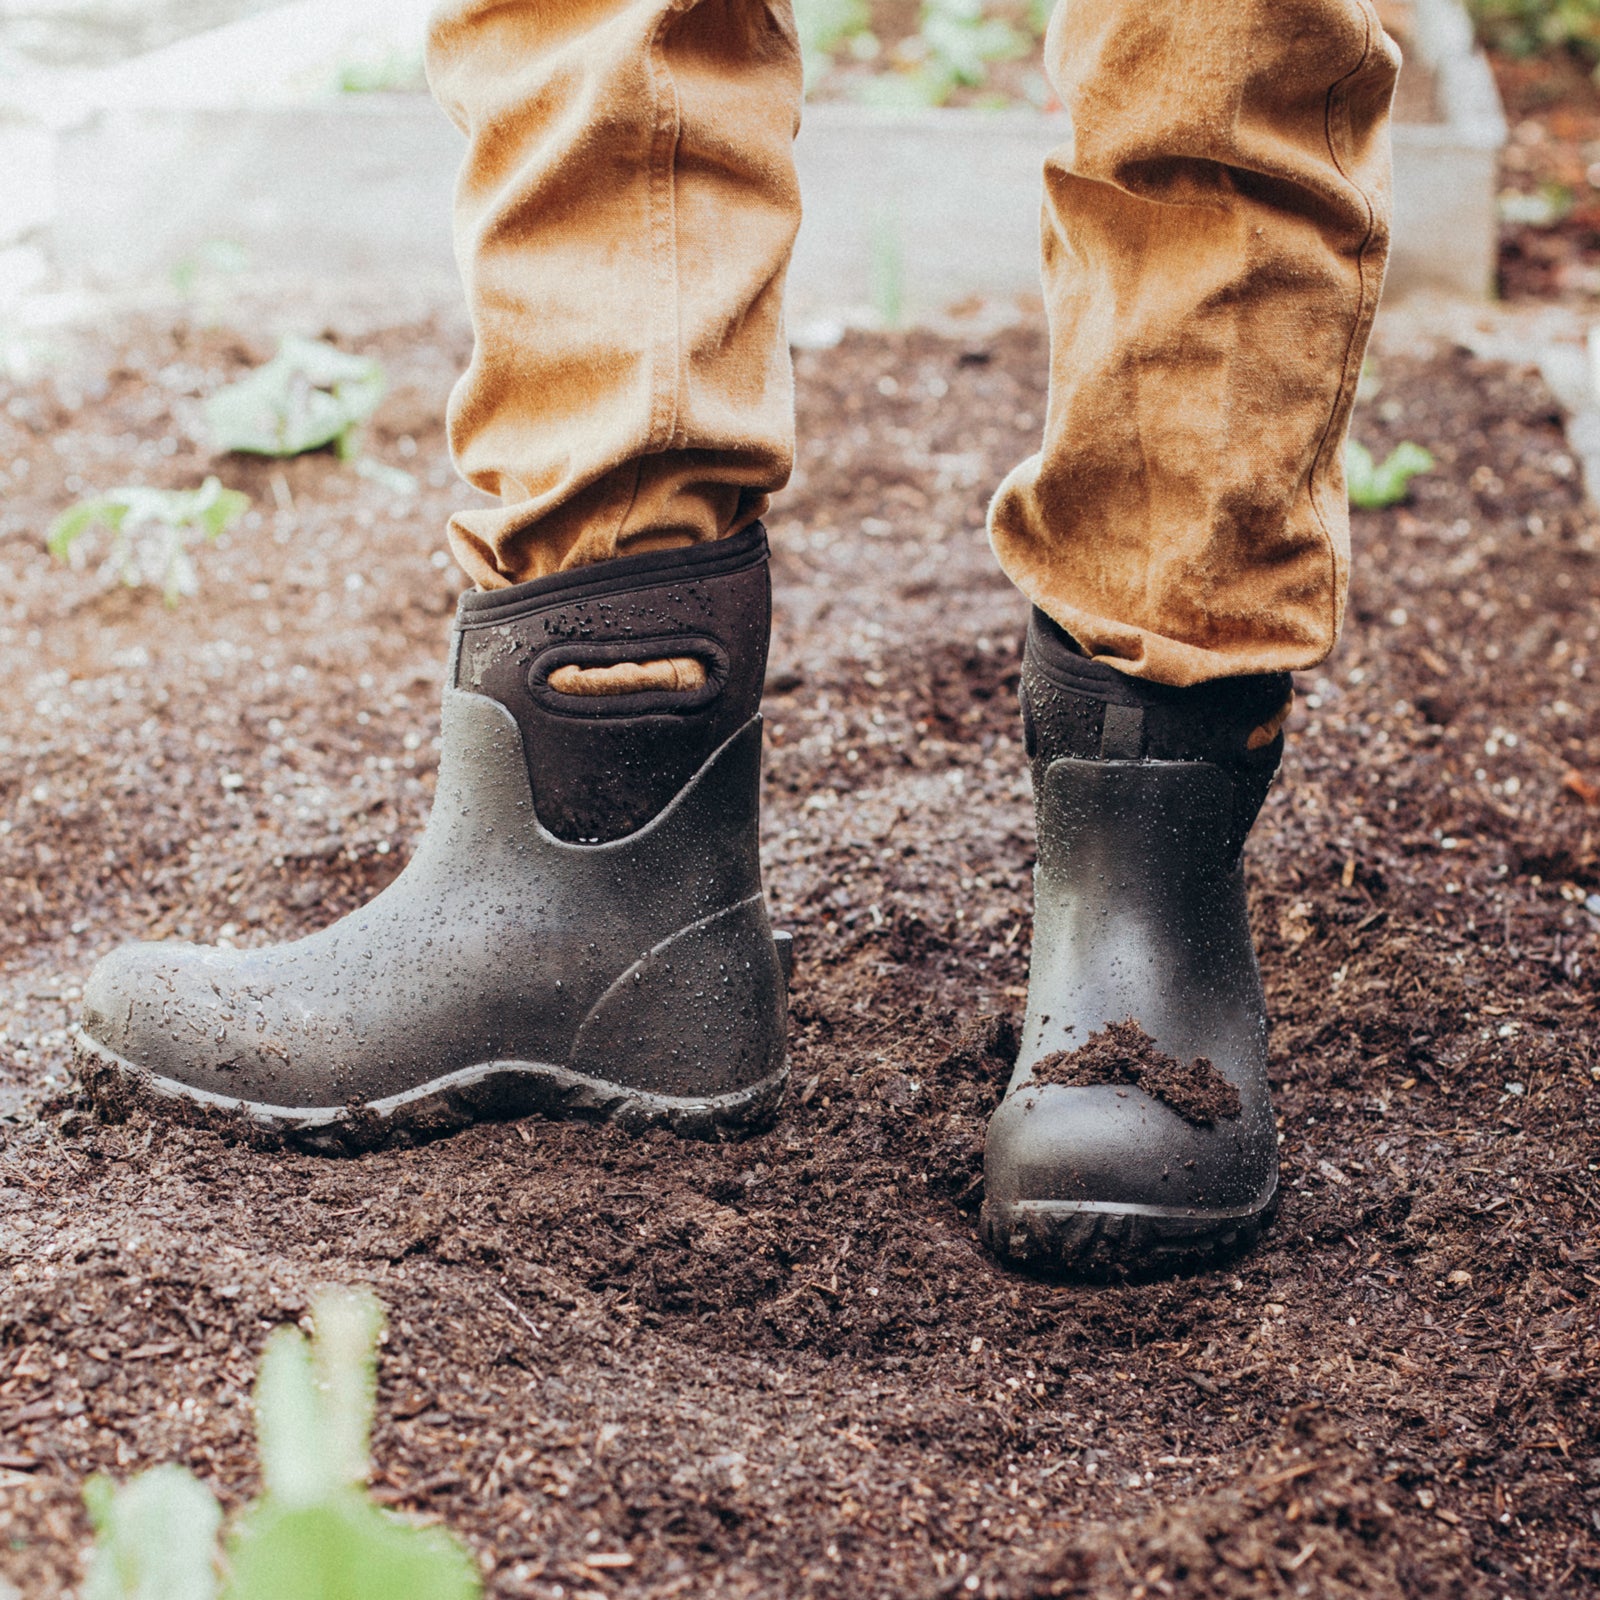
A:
1530,27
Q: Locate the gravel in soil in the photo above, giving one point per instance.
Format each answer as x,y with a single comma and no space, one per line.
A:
1122,1052
785,1366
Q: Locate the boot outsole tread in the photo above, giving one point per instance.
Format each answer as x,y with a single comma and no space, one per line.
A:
1082,1241
496,1091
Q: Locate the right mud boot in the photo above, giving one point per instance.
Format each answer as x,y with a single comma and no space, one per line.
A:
581,931
1137,1131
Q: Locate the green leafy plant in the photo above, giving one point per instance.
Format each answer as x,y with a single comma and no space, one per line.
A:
313,1534
152,532
156,1539
1549,204
955,44
825,25
964,40
308,396
1371,486
1527,27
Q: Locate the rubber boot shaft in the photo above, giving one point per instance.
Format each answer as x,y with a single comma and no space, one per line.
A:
510,968
1143,797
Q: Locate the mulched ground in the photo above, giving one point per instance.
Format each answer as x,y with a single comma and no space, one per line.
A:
785,1367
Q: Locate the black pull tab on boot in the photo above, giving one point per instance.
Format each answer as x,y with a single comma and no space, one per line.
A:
1137,1127
581,930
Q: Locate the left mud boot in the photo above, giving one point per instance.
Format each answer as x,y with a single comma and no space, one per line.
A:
581,931
1137,1128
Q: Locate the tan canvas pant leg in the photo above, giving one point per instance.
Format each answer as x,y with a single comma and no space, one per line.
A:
1215,234
623,224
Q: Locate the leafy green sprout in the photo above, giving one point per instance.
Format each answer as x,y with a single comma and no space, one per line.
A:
1371,485
313,1534
152,532
308,396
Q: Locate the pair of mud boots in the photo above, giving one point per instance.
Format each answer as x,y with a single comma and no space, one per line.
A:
582,931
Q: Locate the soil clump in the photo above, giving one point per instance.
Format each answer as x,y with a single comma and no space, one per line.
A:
1122,1052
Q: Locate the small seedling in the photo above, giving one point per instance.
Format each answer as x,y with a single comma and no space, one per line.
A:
1372,487
313,1534
307,397
965,40
152,532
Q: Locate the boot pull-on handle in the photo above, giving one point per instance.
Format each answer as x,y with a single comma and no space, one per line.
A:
679,674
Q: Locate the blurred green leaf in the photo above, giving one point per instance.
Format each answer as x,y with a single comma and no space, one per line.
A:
152,532
1549,204
222,258
386,72
825,25
343,1548
313,1534
1371,486
964,41
1526,27
308,396
156,1538
314,1402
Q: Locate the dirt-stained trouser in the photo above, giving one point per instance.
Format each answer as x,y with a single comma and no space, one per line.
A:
1214,237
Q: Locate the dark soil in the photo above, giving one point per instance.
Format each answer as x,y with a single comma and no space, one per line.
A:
1122,1052
786,1367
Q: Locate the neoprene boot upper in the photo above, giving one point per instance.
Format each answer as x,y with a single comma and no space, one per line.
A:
1142,963
581,929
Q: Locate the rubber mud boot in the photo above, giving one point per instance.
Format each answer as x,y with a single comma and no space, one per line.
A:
1137,1130
581,931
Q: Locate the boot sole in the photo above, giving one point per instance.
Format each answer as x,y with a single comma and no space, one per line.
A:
493,1091
1095,1237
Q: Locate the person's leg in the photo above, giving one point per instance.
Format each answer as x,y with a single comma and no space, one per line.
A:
581,929
1214,242
1215,235
623,223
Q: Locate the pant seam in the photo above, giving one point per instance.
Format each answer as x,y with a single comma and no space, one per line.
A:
666,350
1338,103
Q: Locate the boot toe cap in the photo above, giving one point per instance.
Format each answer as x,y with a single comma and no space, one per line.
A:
160,1010
1112,1147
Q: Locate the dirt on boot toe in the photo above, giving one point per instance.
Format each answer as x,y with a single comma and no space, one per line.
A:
1122,1052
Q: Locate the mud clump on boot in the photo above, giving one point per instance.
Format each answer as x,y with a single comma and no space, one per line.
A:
1122,1052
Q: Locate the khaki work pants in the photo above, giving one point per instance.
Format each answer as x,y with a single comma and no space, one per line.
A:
1214,239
